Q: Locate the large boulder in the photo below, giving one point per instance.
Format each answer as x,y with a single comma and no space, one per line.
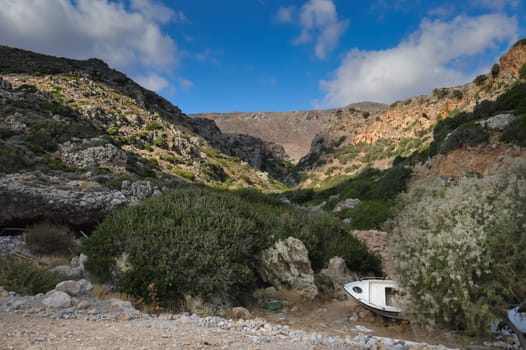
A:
36,196
330,280
57,299
286,266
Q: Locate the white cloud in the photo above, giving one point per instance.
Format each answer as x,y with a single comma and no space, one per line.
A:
285,14
186,84
423,61
319,22
495,4
129,39
152,82
157,12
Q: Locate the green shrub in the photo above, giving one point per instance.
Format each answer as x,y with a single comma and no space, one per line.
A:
215,172
184,174
479,80
25,277
12,159
47,238
495,69
27,88
153,126
369,214
515,132
47,134
160,142
458,94
153,161
522,71
204,242
469,134
112,130
513,99
366,114
440,93
459,250
392,182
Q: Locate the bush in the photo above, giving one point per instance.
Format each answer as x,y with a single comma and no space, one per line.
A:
459,250
184,174
370,214
479,80
469,134
392,182
495,69
522,71
47,238
25,277
458,94
204,242
153,126
515,132
47,134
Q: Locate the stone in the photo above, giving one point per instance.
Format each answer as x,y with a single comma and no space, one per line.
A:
85,286
286,266
498,122
141,190
330,280
3,293
240,312
71,287
33,195
57,299
68,271
348,203
83,305
107,156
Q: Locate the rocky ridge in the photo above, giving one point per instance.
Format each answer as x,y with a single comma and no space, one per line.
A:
72,133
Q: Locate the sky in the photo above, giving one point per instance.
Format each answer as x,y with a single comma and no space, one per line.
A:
274,55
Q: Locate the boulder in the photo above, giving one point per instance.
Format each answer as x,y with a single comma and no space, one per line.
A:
330,280
347,203
66,271
286,266
4,84
142,189
70,287
35,196
240,312
498,122
85,286
57,299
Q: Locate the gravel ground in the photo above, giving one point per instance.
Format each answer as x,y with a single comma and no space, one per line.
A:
19,332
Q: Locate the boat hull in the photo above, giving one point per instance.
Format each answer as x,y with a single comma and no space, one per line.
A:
377,295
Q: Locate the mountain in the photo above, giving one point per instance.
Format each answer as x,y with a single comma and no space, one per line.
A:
293,130
78,139
342,142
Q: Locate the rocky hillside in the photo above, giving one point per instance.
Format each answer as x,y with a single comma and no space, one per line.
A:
78,139
294,130
341,142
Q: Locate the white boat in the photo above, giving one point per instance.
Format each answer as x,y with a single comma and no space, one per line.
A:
377,295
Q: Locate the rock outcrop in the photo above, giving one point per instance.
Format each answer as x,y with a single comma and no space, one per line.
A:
36,196
330,280
286,266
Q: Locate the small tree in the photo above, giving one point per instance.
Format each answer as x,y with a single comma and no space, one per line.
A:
495,70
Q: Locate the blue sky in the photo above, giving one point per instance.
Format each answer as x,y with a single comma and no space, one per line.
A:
270,55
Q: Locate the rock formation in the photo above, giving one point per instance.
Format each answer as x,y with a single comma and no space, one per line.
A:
286,266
